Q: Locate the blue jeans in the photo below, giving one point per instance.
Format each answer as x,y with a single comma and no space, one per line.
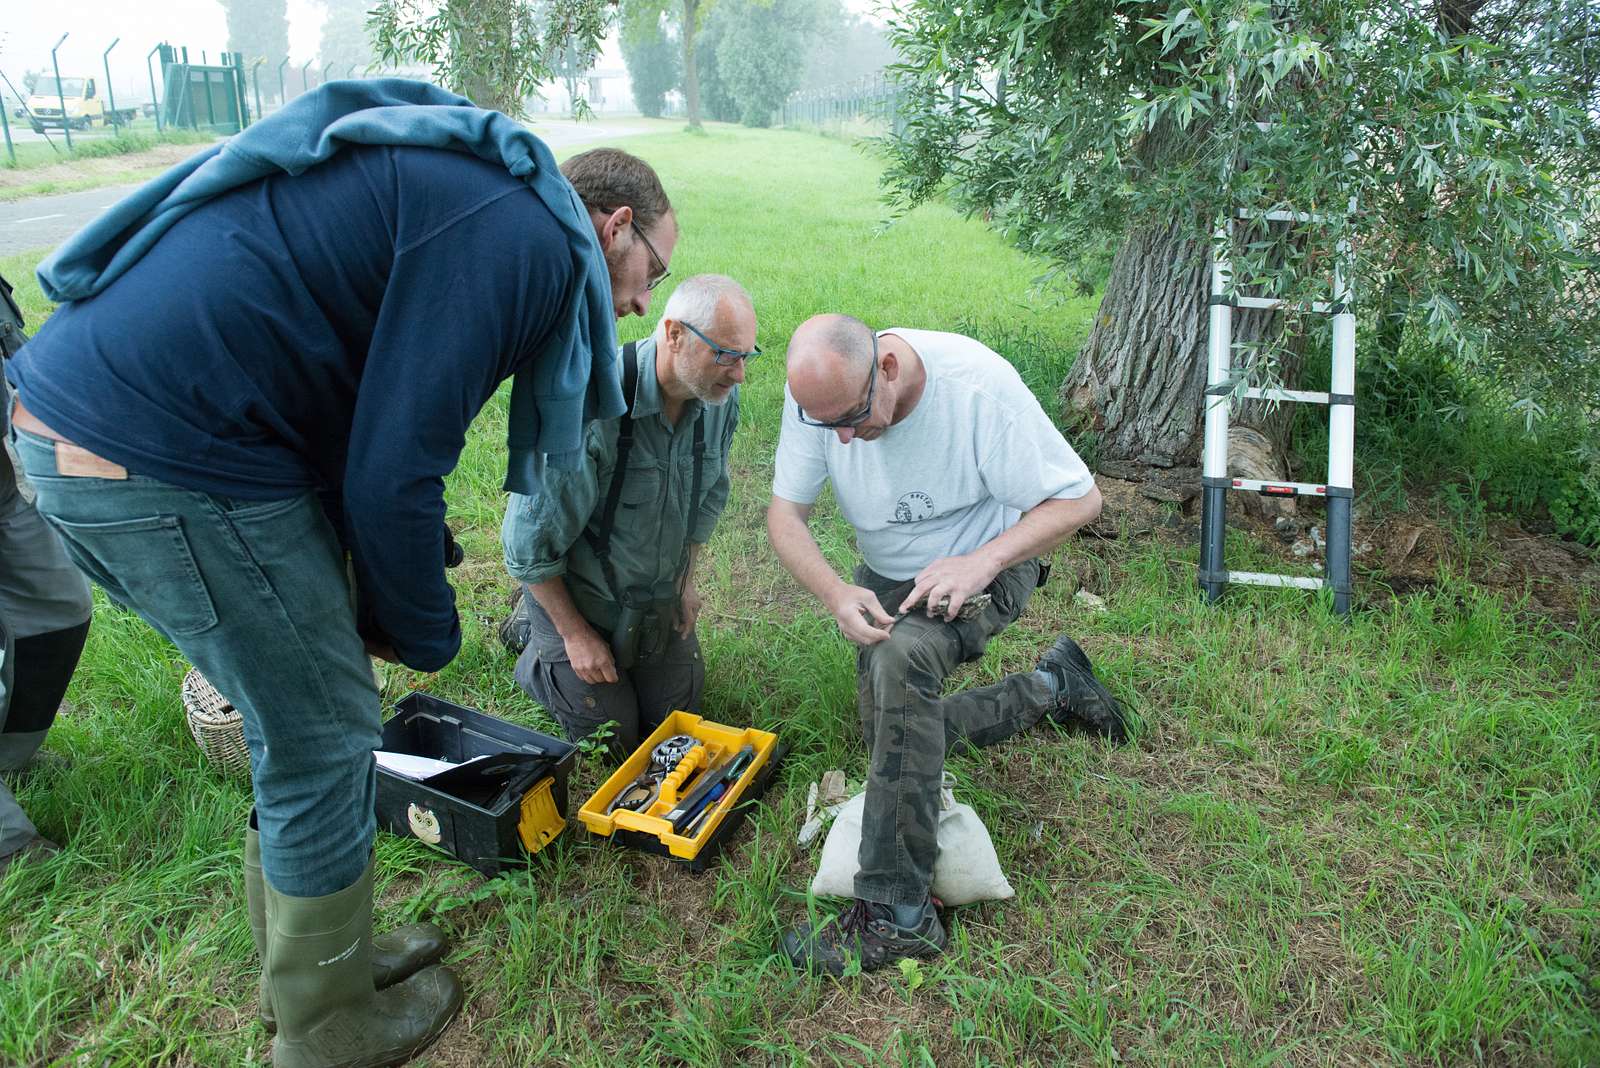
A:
255,594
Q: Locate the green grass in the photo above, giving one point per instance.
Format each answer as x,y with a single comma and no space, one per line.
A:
98,144
1373,843
78,185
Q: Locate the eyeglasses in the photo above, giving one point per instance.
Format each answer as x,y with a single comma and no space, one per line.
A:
659,278
857,417
665,274
726,357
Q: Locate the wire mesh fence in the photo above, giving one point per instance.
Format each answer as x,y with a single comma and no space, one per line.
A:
869,101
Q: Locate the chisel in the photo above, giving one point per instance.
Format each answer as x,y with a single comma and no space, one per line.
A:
690,806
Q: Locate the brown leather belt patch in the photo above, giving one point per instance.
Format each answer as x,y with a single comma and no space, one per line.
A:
75,461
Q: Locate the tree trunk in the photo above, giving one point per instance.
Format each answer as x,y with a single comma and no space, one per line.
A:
1141,375
478,83
691,72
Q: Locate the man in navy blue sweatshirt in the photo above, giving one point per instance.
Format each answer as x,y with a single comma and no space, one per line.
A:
279,383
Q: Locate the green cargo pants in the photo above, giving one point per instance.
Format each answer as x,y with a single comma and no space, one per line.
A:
909,727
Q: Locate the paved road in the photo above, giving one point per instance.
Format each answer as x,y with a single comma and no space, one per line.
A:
45,222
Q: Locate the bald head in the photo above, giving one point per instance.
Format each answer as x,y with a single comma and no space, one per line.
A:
829,355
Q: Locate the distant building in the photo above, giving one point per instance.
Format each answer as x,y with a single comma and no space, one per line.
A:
607,89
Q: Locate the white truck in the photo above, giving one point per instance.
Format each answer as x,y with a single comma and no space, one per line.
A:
84,107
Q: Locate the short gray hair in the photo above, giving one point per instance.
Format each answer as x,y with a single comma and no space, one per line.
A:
847,337
697,298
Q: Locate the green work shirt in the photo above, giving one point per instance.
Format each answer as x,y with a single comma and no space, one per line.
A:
543,533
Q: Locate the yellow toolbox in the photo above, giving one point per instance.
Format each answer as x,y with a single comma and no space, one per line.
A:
682,792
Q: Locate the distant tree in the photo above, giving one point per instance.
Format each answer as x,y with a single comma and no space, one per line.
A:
570,69
345,38
259,29
653,58
845,48
497,52
716,102
30,78
761,51
687,18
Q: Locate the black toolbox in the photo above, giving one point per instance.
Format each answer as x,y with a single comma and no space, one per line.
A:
487,838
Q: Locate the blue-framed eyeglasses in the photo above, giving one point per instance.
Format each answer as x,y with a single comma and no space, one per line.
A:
857,417
726,357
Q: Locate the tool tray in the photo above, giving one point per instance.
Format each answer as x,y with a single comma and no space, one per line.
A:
487,838
649,830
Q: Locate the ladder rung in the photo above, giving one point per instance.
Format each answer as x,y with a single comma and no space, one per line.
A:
1301,396
1279,215
1257,578
1321,307
1280,489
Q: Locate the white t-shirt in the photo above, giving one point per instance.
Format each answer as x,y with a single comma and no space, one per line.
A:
974,454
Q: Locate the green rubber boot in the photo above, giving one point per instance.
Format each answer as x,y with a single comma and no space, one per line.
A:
396,954
318,977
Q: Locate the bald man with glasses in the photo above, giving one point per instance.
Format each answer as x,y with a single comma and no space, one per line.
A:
957,485
605,555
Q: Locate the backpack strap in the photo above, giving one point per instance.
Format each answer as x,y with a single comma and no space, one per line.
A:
600,540
694,494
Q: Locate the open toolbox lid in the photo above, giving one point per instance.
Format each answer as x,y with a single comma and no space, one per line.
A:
488,825
719,743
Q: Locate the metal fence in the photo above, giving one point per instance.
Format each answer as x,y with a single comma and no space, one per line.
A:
223,94
870,101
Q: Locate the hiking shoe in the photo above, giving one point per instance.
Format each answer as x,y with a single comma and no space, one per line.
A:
867,932
35,849
515,628
1081,699
44,762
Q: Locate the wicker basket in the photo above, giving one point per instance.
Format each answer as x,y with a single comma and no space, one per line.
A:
217,726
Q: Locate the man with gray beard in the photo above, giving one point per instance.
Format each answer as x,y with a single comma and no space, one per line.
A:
605,555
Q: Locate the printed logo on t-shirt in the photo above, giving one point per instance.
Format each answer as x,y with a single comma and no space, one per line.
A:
913,507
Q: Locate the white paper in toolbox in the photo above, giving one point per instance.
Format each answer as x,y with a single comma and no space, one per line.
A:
408,766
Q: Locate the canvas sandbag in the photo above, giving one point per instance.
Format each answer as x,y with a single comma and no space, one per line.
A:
967,869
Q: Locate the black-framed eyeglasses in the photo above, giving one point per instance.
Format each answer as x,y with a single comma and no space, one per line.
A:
665,274
726,357
661,263
857,417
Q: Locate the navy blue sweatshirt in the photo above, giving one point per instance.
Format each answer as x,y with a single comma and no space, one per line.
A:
333,332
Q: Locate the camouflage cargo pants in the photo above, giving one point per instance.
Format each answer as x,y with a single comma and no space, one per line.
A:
909,727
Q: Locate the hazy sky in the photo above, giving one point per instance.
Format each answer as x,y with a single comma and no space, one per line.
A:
29,27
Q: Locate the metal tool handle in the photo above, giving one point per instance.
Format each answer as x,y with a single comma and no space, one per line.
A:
680,816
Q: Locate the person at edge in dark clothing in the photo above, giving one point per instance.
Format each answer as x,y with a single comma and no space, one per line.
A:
280,381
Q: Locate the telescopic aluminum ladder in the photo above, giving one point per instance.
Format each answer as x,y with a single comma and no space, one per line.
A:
1221,388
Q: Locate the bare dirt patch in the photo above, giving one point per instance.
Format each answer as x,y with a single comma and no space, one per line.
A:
1394,555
